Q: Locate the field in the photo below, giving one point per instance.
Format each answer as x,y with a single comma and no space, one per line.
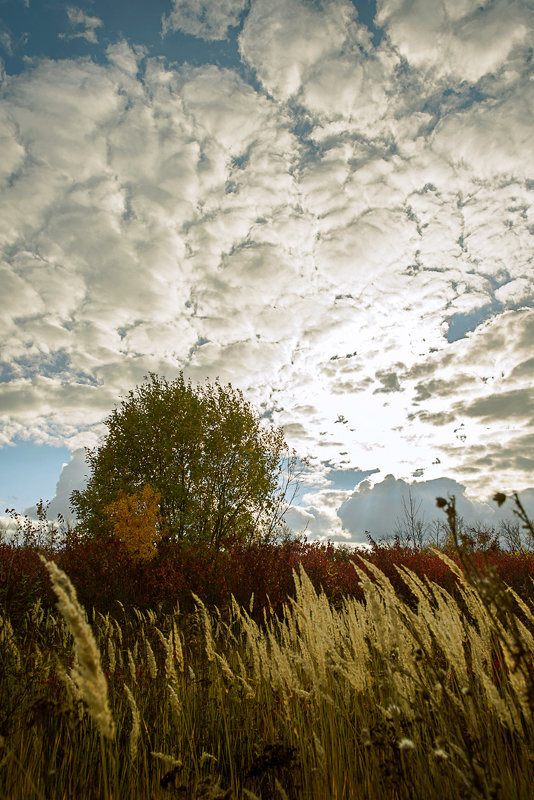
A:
399,675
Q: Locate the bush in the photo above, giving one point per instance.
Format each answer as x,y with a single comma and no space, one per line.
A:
105,573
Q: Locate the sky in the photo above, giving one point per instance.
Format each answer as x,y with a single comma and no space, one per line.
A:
329,204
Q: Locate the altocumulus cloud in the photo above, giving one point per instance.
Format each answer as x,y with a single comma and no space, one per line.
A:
84,26
311,225
203,18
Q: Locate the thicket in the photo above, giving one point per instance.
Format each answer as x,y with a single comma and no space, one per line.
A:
106,572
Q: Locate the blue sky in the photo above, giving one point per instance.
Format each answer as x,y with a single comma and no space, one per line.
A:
329,204
45,29
27,468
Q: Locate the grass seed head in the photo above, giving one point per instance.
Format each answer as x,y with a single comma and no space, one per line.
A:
406,744
175,701
87,672
280,789
319,749
151,660
169,761
207,758
131,666
111,656
136,727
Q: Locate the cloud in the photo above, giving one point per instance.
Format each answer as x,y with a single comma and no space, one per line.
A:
203,18
480,408
73,476
319,57
504,405
463,39
515,291
145,285
378,508
6,42
125,56
318,518
502,125
389,381
314,236
78,19
283,40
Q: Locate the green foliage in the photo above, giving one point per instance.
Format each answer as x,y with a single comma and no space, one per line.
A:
203,450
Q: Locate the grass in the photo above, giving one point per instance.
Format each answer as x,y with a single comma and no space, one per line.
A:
368,698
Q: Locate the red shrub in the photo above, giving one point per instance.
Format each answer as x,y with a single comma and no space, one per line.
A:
264,569
103,573
23,579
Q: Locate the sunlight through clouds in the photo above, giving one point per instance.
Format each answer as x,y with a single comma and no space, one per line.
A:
339,224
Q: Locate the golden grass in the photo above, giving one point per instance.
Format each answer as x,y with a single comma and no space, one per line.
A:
370,700
86,675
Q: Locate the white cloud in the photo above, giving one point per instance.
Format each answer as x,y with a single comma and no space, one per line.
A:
203,18
374,243
5,42
515,291
78,19
502,127
318,518
73,476
12,150
378,508
316,54
464,39
126,57
312,241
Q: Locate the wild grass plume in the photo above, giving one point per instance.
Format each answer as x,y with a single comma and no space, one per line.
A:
87,671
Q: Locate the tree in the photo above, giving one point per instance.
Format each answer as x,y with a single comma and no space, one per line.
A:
412,530
217,470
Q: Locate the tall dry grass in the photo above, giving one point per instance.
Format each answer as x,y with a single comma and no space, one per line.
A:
373,699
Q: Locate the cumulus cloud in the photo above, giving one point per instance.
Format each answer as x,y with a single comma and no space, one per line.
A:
379,509
515,291
314,236
203,18
73,476
284,40
320,57
502,126
317,517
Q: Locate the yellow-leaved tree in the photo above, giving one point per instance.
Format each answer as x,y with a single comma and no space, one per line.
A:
136,523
